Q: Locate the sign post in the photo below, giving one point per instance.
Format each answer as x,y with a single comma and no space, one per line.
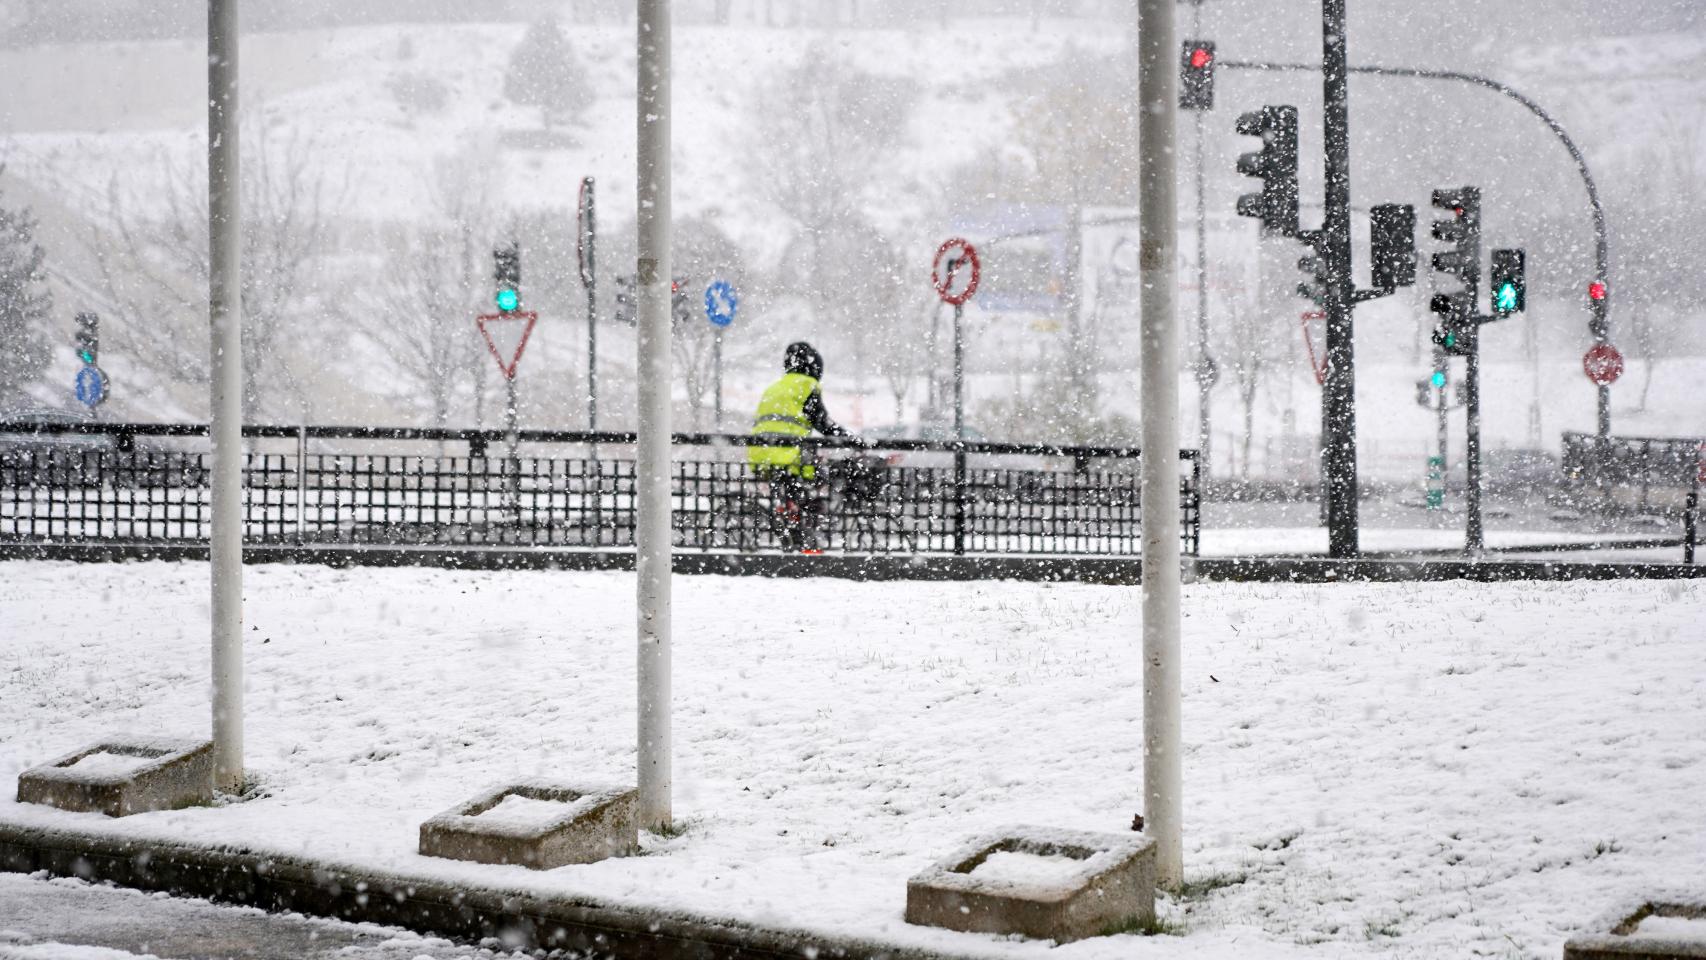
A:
506,337
720,305
955,273
586,230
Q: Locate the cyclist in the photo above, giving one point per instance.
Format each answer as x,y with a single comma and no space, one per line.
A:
793,407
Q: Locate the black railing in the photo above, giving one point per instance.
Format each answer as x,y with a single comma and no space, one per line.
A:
149,483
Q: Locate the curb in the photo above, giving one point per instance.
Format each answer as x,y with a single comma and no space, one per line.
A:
422,904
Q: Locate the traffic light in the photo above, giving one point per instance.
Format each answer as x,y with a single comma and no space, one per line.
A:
507,272
88,337
1315,285
1196,75
1276,165
1510,293
1596,290
1455,329
1392,235
1462,230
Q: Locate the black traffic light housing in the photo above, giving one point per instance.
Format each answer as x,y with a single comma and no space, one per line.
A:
1196,75
88,339
1392,236
1314,285
1507,280
1462,230
506,270
1455,330
1276,165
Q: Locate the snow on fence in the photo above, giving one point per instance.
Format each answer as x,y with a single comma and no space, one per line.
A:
149,483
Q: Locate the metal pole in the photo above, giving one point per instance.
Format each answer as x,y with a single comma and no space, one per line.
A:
1473,539
1205,364
512,439
652,524
301,482
1157,110
1339,431
959,426
225,406
1690,523
590,279
717,379
1442,427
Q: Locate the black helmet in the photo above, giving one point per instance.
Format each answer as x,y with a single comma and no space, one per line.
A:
800,357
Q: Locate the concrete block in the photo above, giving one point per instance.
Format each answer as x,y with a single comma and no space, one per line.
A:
520,823
119,776
1039,882
1661,929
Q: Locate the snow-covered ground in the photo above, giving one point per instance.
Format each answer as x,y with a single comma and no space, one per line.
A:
1426,770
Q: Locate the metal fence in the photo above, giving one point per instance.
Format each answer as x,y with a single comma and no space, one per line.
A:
1639,474
325,486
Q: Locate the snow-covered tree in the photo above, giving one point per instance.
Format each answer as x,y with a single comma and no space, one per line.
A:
545,73
24,303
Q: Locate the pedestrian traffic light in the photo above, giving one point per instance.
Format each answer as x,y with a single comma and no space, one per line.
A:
1424,394
1392,235
1314,285
88,340
507,272
1462,230
1437,380
1196,75
1510,293
1455,329
1596,290
1276,164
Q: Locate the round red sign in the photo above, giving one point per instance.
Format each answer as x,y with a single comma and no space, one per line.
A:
1603,364
955,271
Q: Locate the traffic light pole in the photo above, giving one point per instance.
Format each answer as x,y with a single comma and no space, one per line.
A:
1333,245
1473,535
1206,372
590,279
225,402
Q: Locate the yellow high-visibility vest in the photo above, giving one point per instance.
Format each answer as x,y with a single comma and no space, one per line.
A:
782,412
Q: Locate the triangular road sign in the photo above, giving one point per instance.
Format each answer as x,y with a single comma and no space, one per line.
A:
506,336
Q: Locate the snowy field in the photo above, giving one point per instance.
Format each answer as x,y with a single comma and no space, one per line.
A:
1418,770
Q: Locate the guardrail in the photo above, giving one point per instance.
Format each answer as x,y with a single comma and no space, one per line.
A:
1637,474
402,487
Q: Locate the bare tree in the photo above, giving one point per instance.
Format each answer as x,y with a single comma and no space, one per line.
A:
24,303
153,265
421,317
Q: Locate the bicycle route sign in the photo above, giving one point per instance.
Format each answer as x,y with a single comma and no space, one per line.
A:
720,303
90,386
955,271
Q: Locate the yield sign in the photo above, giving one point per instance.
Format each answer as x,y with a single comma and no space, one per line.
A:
506,336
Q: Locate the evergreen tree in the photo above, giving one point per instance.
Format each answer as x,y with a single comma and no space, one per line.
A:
544,73
24,304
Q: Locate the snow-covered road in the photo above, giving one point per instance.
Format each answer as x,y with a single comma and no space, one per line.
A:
1430,770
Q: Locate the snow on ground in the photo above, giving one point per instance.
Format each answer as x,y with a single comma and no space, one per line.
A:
1417,770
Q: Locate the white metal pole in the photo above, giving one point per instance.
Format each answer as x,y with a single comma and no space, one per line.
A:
652,529
225,406
1158,108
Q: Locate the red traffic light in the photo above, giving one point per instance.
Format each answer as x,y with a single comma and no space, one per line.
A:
1200,58
1596,290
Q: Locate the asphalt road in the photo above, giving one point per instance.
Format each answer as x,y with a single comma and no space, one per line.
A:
42,919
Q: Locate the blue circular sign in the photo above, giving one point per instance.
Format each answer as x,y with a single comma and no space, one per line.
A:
720,303
90,386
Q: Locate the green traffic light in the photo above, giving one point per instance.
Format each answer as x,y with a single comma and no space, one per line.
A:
1439,375
86,356
1505,300
508,299
1450,340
